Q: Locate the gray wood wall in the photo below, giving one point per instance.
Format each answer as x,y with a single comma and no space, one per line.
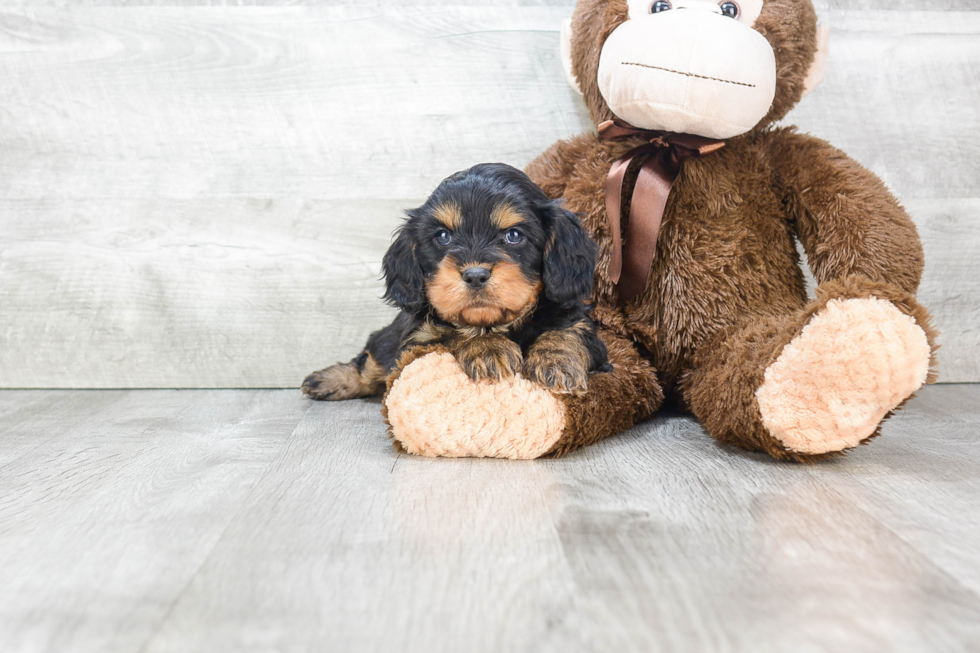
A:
198,194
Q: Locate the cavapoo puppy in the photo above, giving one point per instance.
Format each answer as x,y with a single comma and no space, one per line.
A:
495,271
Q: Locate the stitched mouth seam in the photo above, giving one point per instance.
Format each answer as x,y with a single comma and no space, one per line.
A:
679,72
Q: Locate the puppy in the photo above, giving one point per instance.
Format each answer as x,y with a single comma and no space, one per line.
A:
495,271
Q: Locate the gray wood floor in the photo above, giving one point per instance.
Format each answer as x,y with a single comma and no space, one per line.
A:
256,521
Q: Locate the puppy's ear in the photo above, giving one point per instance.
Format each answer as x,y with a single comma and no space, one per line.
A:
404,281
569,258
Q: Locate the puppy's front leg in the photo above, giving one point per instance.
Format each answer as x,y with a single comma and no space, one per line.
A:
559,360
362,377
489,357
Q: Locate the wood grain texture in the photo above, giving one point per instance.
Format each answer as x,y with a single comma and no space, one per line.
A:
167,521
950,231
200,196
253,295
120,497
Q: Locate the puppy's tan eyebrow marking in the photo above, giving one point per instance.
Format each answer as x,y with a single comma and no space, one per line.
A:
449,215
506,216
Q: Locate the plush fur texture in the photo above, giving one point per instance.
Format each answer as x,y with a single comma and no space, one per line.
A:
438,411
852,363
722,386
514,418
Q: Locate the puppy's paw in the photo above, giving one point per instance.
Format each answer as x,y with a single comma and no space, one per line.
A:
559,360
491,358
559,370
336,383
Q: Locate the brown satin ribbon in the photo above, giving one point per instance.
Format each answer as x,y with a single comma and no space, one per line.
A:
647,173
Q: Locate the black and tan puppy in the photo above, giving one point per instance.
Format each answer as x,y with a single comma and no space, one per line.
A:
497,272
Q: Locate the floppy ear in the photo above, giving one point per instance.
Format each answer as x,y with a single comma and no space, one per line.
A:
404,281
569,258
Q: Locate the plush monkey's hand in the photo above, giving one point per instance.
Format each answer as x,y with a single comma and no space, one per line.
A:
433,408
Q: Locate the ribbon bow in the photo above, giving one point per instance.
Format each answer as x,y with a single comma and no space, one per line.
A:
647,174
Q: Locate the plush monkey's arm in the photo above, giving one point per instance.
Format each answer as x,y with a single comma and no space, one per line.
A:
848,221
433,409
553,167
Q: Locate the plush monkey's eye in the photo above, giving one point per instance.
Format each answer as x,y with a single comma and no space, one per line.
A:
730,9
514,237
660,5
443,237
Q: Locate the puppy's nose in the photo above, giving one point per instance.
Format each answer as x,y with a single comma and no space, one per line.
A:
476,278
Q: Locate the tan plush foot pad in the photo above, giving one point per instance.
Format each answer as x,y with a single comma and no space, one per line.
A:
851,365
436,410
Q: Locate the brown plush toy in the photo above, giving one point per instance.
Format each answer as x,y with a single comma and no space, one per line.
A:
696,202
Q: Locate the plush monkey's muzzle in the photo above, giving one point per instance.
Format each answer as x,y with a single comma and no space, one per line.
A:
689,72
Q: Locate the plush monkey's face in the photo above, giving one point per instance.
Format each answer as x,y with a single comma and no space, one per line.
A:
711,68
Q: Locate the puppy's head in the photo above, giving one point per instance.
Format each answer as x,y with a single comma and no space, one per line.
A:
483,248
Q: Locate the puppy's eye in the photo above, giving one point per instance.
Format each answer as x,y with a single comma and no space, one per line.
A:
659,6
514,237
730,9
443,237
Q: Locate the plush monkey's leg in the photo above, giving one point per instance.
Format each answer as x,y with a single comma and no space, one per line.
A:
434,409
816,383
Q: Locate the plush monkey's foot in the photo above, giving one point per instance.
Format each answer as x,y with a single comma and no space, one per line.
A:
853,363
435,409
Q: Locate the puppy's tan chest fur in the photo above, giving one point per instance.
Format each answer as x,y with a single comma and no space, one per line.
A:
726,251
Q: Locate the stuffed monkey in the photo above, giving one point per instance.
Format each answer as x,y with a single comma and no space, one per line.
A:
696,201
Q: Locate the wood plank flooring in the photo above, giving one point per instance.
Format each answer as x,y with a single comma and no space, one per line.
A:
181,521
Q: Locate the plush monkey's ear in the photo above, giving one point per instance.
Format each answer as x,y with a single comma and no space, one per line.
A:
566,54
569,258
404,281
819,66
